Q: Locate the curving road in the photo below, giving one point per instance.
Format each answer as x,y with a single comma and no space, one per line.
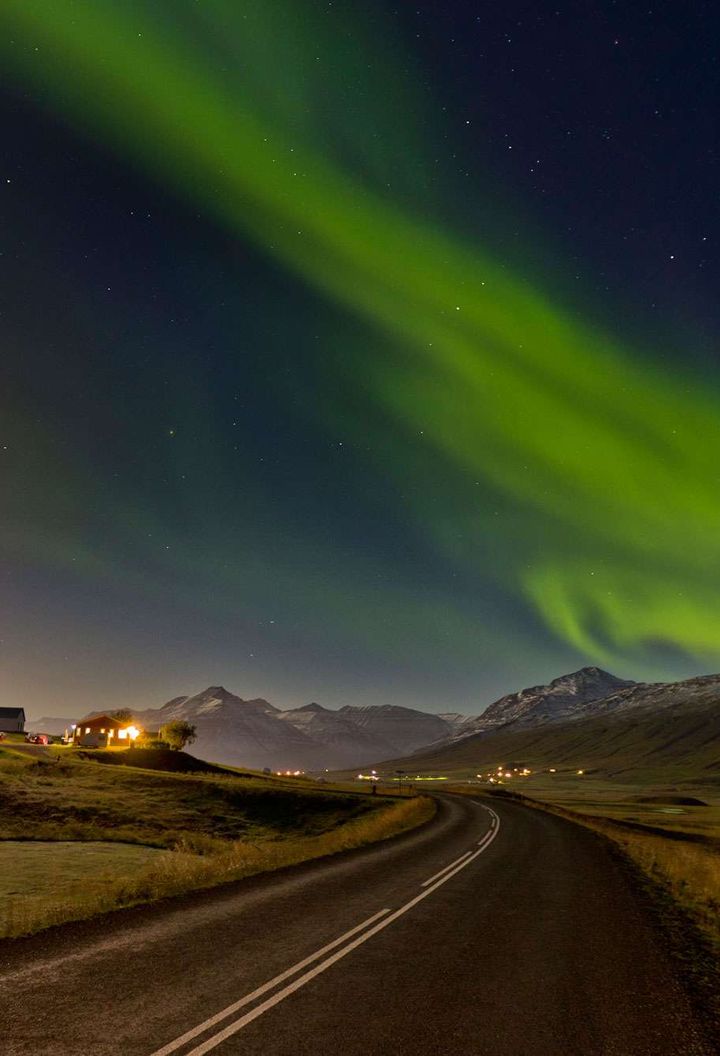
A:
495,929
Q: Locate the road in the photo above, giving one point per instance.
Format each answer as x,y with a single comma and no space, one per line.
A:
495,929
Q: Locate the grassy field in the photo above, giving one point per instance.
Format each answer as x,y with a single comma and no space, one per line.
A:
37,868
100,831
691,805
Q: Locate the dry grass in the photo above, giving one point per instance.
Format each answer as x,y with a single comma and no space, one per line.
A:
39,867
74,799
223,861
690,871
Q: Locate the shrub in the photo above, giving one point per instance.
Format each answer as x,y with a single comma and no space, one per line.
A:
178,733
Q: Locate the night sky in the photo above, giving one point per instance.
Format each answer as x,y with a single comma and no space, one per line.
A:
359,353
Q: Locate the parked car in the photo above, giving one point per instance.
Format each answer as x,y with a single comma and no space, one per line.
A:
2,736
37,738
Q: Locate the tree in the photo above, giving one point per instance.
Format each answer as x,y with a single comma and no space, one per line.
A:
123,715
178,733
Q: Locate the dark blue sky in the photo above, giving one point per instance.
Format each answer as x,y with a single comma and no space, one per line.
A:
199,483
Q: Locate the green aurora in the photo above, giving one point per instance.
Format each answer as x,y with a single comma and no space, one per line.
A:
605,468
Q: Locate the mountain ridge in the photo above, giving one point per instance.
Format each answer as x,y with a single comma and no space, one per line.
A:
255,733
565,697
660,730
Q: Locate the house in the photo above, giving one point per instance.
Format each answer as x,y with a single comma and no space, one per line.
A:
103,731
12,720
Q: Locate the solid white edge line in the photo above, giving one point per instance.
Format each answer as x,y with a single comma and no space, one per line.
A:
233,1028
248,998
441,871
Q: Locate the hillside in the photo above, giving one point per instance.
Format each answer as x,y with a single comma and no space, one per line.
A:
666,730
81,838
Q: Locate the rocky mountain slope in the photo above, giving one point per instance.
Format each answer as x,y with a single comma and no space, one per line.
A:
456,719
343,738
397,725
568,697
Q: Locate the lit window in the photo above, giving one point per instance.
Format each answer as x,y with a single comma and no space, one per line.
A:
102,729
87,729
111,733
122,735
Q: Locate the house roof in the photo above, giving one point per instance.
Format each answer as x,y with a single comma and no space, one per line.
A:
12,713
103,720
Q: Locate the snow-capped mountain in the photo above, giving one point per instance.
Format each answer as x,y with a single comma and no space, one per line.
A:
238,732
567,697
666,731
397,725
348,743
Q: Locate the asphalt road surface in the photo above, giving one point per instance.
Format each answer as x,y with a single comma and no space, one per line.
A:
494,930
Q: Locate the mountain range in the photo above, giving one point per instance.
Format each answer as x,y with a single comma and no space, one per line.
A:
586,718
255,733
